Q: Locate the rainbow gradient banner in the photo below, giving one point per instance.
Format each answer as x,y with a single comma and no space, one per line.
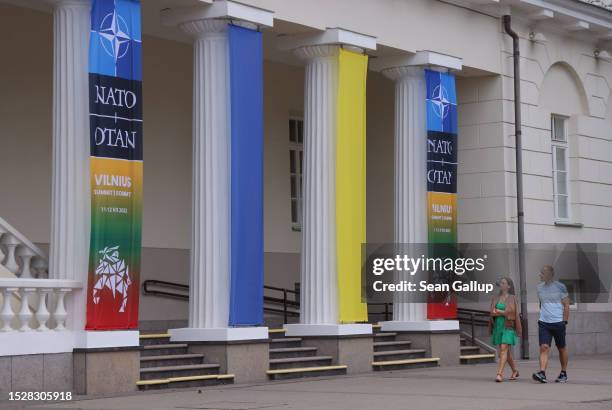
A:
116,163
441,175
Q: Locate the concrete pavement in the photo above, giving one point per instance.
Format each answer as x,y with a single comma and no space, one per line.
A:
458,387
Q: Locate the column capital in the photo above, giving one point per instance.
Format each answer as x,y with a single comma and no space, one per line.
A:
330,37
69,3
209,18
401,72
315,52
204,27
398,67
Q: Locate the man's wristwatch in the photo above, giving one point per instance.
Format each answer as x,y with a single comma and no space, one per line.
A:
565,322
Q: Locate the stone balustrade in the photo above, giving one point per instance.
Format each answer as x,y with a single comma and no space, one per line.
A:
28,304
20,256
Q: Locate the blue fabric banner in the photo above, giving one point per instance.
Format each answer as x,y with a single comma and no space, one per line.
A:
246,96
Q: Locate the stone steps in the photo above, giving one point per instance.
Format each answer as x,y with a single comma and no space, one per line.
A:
391,355
163,349
171,360
469,349
281,342
477,358
154,338
392,345
287,352
290,360
150,373
406,364
182,382
164,365
314,371
299,362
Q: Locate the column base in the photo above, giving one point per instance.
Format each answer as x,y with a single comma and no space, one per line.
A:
420,326
222,334
102,339
110,370
298,329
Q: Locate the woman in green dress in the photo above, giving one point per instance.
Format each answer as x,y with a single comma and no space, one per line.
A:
505,326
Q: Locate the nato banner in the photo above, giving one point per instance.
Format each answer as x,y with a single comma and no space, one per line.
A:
115,126
441,176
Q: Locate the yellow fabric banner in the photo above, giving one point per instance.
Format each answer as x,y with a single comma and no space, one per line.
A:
351,183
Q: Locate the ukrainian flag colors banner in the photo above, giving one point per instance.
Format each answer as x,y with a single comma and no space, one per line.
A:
441,173
115,118
246,107
350,183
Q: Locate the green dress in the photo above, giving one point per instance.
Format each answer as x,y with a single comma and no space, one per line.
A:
500,334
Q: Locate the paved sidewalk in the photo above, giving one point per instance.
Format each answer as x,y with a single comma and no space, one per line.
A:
460,387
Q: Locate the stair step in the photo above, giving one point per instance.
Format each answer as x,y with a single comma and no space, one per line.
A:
164,349
383,335
276,333
285,342
171,360
477,358
392,355
154,338
189,381
406,364
468,349
299,372
287,352
297,362
148,373
392,345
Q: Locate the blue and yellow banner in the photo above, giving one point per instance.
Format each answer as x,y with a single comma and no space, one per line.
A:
116,162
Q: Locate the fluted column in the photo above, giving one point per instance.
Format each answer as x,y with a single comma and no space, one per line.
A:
70,206
319,303
410,194
210,242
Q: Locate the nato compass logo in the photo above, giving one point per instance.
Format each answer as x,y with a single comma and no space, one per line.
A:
114,35
116,43
440,101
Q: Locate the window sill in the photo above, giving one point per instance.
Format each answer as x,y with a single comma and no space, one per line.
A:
569,224
296,228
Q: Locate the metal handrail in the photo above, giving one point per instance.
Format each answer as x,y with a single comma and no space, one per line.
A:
472,317
177,290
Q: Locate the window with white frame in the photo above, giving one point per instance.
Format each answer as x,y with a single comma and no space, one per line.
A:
560,158
296,160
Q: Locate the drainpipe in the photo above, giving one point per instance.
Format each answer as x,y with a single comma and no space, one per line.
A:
519,182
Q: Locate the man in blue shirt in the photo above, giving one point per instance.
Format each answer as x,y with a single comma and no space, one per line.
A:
554,314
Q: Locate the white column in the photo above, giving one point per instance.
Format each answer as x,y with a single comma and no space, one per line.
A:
319,304
319,282
410,194
70,206
210,253
209,293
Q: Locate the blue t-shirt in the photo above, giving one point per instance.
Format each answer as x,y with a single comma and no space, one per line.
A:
551,296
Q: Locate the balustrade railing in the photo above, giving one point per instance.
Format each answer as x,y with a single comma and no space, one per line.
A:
28,304
20,256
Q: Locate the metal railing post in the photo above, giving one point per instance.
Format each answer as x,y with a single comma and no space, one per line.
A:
472,319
